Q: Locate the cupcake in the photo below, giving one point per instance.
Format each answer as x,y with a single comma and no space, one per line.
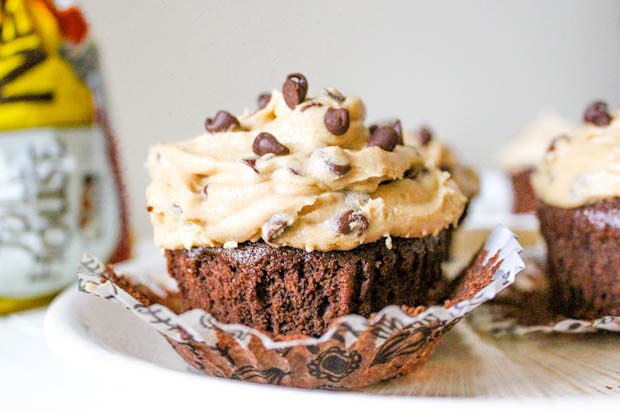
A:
289,217
444,158
520,158
578,185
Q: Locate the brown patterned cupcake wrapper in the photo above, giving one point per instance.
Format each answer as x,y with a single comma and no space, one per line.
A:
353,353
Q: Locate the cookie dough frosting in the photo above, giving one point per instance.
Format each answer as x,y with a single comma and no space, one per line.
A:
584,166
305,173
440,155
529,148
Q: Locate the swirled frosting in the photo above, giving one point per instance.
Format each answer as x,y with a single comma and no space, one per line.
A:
529,148
581,168
443,157
327,193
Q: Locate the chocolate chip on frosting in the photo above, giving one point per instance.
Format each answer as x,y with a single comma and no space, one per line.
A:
222,122
416,172
294,89
425,135
265,143
329,163
263,100
337,121
352,221
597,113
385,137
335,94
398,127
275,226
394,123
339,170
251,162
310,105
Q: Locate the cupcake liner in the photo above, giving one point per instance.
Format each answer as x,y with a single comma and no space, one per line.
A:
355,352
512,312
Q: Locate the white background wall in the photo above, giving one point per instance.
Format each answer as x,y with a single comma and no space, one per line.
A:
475,70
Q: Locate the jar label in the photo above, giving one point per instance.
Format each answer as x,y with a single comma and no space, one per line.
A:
58,200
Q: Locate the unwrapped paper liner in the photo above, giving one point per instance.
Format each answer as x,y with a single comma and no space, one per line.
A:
525,307
353,353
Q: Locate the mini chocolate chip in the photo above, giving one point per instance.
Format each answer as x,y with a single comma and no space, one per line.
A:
310,105
251,162
294,89
274,227
339,170
385,137
205,191
395,123
352,221
398,127
329,163
265,143
337,121
263,100
223,121
425,135
416,171
597,113
335,95
149,209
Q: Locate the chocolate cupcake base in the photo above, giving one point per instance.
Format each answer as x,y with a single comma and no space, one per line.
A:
583,258
291,291
524,199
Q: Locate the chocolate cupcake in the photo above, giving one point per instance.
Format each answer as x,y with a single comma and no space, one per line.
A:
578,185
443,157
292,216
520,158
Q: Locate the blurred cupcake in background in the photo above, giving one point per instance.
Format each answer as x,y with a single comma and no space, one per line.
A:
443,157
521,156
578,188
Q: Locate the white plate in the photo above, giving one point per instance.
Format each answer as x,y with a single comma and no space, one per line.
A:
101,336
471,371
79,329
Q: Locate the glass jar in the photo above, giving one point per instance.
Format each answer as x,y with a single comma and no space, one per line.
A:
61,192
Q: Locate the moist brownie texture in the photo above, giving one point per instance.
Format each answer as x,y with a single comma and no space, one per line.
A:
583,257
290,291
524,199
